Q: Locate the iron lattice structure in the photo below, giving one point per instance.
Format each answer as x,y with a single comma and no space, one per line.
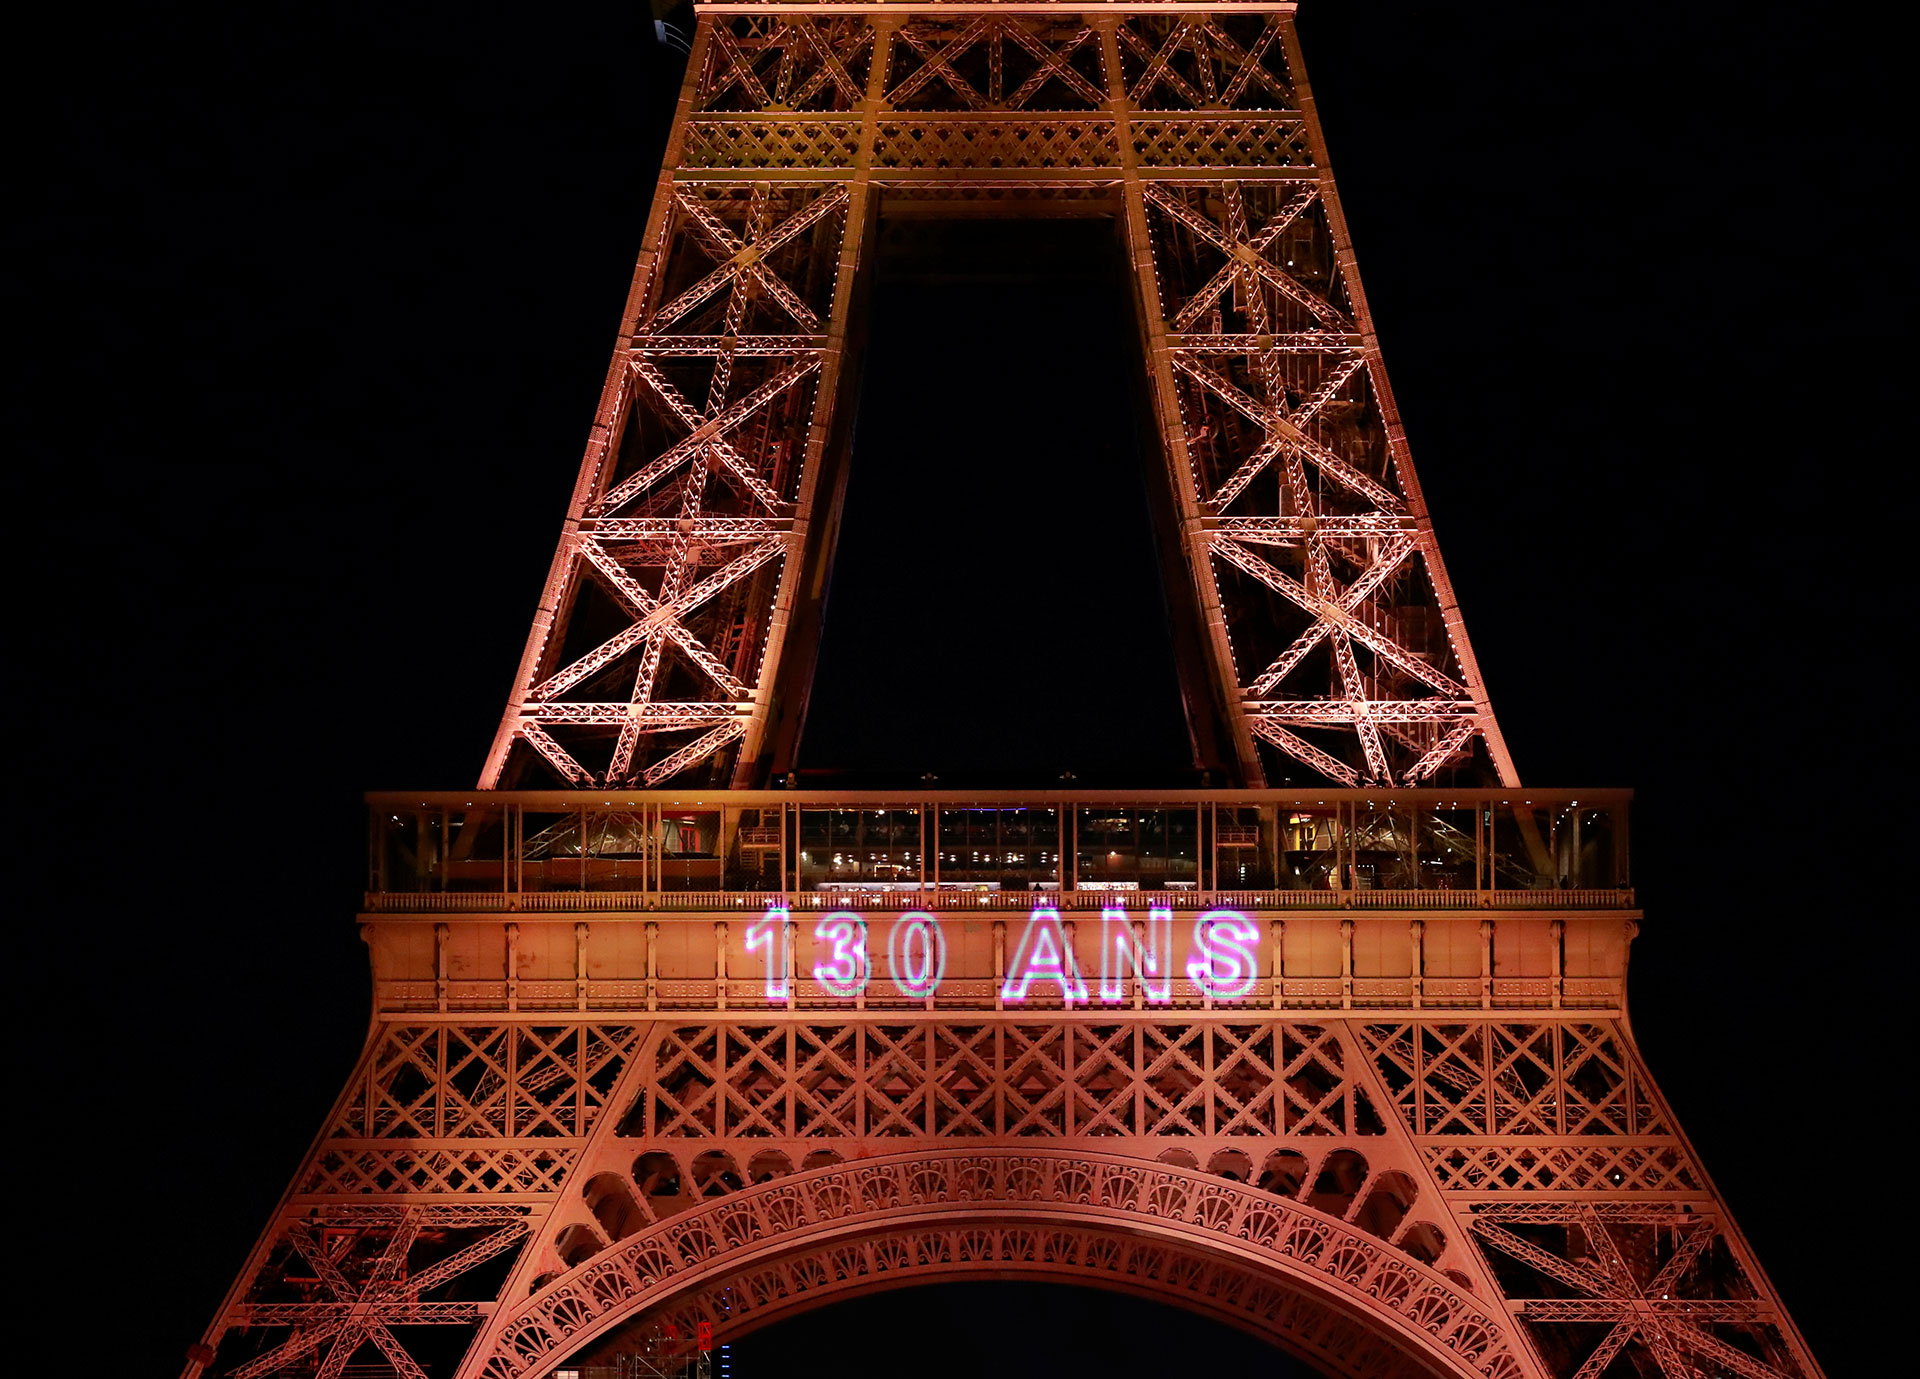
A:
699,527
588,1128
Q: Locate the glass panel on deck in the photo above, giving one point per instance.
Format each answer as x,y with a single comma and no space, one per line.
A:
550,851
1244,838
689,844
1309,849
994,850
876,851
753,852
1383,854
1443,841
1524,851
1127,849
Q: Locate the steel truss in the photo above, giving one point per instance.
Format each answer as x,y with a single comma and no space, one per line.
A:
1500,1197
1337,650
1494,1193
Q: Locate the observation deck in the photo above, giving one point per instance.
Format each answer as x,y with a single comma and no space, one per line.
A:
649,900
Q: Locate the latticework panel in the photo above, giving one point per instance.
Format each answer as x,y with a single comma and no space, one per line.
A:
801,1083
1492,1078
338,1280
1640,1288
442,1160
448,1081
1271,1104
671,568
1515,1193
1070,1214
1337,654
1558,1156
1431,1194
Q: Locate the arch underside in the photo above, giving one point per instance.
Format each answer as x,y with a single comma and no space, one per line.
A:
1306,1282
1313,1329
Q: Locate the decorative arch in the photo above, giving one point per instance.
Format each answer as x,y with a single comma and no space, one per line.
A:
1310,1283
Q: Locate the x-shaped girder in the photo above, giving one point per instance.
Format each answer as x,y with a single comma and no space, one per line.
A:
1208,44
1665,1323
938,61
795,40
744,258
366,1313
707,435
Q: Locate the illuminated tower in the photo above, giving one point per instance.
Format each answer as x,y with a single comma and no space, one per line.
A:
662,1053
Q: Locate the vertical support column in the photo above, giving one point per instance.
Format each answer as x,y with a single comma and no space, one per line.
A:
1486,964
511,1057
721,1081
513,966
1417,931
999,964
1346,964
1165,401
793,977
1206,991
580,965
720,964
439,1082
1558,930
1559,1034
517,841
440,966
1140,951
1482,862
1277,932
653,965
829,397
1390,412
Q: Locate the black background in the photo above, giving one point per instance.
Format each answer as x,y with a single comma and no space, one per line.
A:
312,306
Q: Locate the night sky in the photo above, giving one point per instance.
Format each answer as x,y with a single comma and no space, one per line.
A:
317,304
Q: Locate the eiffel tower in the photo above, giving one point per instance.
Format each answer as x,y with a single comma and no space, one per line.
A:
667,1048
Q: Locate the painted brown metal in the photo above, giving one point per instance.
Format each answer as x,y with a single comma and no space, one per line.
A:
1422,1141
702,518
